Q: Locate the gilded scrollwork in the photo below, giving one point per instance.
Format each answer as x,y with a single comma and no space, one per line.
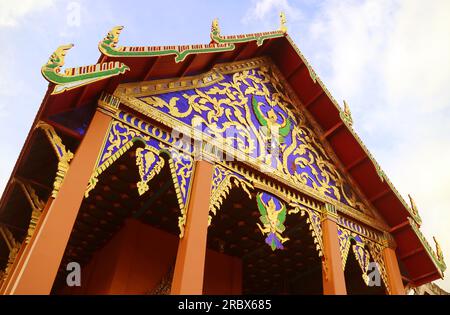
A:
240,111
364,249
64,156
223,181
314,222
121,138
182,169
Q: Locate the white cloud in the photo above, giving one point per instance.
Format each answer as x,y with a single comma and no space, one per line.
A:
389,59
11,12
416,65
262,9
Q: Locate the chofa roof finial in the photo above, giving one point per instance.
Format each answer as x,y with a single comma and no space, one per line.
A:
283,27
215,29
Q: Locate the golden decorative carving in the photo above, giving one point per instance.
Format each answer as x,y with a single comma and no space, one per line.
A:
375,250
13,247
283,27
64,156
149,165
152,106
286,190
223,181
437,257
314,222
36,207
414,208
439,253
182,167
346,115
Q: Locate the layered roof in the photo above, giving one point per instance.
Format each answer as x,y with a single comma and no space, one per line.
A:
78,88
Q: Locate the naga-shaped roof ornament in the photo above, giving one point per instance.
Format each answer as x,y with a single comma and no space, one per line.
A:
346,114
414,208
75,77
439,253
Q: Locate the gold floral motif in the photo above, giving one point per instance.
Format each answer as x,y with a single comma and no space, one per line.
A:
149,164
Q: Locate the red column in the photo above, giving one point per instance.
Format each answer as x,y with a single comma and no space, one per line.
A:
393,272
332,270
190,262
41,262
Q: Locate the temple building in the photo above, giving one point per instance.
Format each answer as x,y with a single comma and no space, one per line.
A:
220,168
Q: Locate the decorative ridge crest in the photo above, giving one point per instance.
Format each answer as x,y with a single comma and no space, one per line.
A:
216,37
76,77
437,256
108,46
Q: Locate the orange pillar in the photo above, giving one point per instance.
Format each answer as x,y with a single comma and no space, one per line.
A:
190,263
332,270
46,250
23,252
393,271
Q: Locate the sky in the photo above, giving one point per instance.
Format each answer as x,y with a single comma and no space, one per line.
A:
388,59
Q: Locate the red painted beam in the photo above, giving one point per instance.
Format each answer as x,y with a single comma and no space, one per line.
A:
416,280
185,67
356,163
151,65
315,98
332,130
412,253
295,70
399,227
380,195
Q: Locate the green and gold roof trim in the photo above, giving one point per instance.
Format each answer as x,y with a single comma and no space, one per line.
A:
108,46
76,77
437,256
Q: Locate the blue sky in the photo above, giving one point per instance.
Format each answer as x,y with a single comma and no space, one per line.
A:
387,59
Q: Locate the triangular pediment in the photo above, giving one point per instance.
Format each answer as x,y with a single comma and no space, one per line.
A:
235,106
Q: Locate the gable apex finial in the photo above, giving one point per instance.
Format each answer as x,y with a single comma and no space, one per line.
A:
215,29
283,27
